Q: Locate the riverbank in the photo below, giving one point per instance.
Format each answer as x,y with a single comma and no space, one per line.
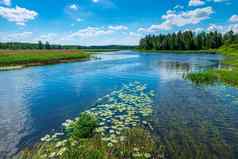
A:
17,59
227,75
211,51
99,50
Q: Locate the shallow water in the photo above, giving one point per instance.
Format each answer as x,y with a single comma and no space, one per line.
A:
35,101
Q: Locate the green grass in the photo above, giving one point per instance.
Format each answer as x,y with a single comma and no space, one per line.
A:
206,77
38,57
226,76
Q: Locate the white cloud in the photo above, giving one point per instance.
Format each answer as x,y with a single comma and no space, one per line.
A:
136,35
233,27
91,32
198,30
95,1
233,18
196,3
48,37
118,28
180,19
18,15
214,27
20,37
5,2
73,7
99,31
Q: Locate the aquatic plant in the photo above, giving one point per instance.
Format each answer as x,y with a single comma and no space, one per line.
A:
228,76
123,109
81,127
117,127
205,77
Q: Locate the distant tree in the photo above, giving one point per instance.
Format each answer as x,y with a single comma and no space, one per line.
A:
47,45
229,37
187,40
40,45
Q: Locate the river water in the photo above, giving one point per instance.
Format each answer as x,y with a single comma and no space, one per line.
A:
189,120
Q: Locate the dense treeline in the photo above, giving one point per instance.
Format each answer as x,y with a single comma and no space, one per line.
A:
47,45
187,40
18,45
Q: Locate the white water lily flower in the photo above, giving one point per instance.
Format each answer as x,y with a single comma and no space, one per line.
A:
147,155
61,151
52,155
110,144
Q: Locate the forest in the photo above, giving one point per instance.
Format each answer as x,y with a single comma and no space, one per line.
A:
47,46
187,40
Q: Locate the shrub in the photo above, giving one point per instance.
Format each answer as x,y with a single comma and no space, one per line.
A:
83,127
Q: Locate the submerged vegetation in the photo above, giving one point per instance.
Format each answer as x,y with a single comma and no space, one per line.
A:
197,131
39,57
117,127
205,77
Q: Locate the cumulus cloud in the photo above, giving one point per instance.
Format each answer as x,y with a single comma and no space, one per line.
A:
18,15
214,27
233,18
180,19
91,32
118,27
97,31
233,27
196,3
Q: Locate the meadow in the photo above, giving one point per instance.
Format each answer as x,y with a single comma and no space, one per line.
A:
39,57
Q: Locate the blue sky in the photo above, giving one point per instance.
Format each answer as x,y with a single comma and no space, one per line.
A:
103,22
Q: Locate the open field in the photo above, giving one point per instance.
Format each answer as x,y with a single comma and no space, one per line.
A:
39,57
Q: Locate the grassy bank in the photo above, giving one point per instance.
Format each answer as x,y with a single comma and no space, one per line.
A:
39,57
83,142
211,51
226,76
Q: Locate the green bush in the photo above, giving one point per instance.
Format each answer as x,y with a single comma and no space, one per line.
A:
83,127
206,77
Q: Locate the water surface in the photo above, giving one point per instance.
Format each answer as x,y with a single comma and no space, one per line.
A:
187,118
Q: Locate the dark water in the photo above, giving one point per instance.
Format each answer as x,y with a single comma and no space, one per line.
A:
189,120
